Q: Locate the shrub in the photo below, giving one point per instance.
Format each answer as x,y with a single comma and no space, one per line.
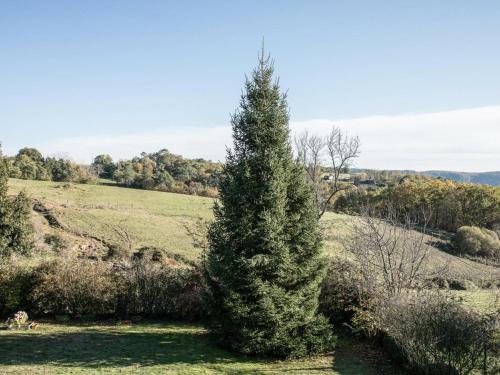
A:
437,335
477,242
75,287
148,253
340,292
56,241
88,288
155,290
16,285
458,284
15,226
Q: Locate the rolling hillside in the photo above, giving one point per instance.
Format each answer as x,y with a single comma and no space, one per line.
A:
91,218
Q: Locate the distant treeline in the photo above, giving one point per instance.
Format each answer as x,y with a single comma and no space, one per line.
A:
161,171
29,164
441,204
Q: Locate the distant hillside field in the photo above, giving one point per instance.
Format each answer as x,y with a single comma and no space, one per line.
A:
95,216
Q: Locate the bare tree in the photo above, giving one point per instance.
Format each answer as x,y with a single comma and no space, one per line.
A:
310,151
336,151
391,254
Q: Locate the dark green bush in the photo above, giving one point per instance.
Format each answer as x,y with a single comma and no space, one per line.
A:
56,241
477,241
15,226
457,284
16,285
340,291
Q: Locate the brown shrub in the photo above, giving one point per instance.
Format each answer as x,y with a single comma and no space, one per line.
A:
158,290
76,287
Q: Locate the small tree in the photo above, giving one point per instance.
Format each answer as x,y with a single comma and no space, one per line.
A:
15,226
32,153
104,166
264,265
339,149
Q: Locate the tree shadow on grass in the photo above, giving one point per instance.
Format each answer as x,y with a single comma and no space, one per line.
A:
96,348
91,348
354,357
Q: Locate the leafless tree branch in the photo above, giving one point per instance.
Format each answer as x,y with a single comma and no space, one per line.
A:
336,151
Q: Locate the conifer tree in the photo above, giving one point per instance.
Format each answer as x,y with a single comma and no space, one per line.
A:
15,226
264,264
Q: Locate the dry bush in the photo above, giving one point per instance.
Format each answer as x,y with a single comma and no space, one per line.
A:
156,290
76,287
90,288
437,335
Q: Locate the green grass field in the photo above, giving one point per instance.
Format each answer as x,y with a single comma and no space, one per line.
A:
160,349
157,219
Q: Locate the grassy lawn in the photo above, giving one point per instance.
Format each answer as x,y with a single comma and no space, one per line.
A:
159,349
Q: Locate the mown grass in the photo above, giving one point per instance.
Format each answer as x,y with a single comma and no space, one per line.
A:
159,349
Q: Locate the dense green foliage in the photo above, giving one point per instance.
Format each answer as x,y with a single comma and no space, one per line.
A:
160,170
103,166
15,226
163,171
264,266
477,242
443,204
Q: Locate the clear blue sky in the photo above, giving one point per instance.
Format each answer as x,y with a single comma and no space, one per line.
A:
79,68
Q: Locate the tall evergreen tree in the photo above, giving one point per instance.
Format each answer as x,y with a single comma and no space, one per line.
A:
15,226
264,264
